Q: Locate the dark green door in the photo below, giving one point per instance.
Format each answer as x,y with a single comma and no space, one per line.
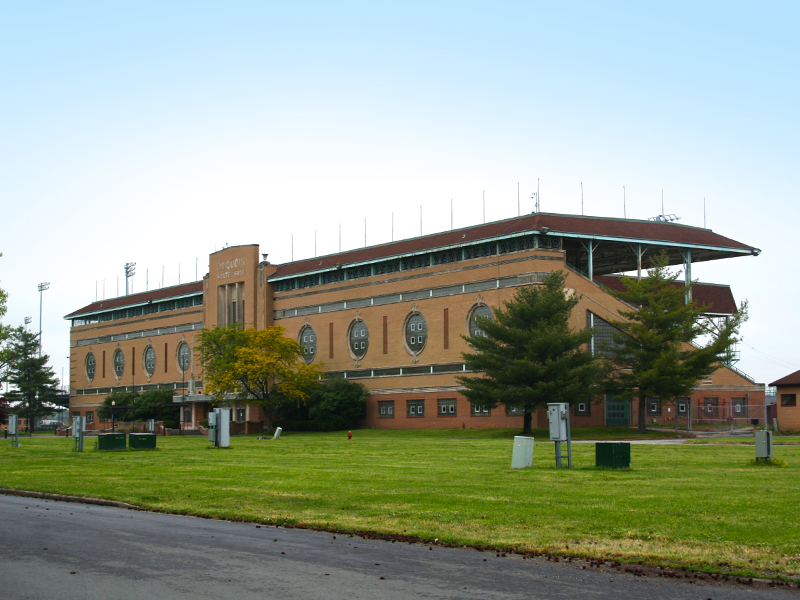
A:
618,413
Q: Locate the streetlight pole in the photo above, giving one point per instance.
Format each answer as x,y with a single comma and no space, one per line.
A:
130,271
42,287
113,402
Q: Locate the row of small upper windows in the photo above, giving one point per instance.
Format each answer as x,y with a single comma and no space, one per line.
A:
136,311
446,407
183,355
415,330
419,261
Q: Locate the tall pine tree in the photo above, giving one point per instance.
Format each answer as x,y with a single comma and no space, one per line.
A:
656,354
33,383
530,355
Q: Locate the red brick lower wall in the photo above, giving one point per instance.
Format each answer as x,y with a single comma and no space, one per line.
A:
463,419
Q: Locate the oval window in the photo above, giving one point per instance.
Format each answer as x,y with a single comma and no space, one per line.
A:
90,365
308,340
358,337
480,310
119,362
184,356
150,360
416,332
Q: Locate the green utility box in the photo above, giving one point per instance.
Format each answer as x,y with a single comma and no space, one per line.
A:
615,455
142,441
111,441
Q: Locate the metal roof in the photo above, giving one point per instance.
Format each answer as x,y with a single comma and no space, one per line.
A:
716,298
174,292
613,255
791,379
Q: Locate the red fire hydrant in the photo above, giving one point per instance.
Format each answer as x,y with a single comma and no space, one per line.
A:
349,435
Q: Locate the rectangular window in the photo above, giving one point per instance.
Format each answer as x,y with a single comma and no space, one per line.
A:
738,407
682,406
240,414
583,409
386,409
89,416
788,399
103,419
481,410
654,406
447,407
415,408
710,407
514,410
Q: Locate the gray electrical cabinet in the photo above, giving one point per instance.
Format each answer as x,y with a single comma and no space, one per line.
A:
522,456
219,427
13,421
78,426
763,444
557,414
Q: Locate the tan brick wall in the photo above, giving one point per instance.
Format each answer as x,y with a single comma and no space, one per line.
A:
788,416
446,318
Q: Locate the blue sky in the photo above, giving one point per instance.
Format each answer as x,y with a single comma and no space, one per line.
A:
157,132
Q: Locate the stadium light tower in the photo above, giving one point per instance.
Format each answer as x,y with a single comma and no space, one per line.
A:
130,271
42,287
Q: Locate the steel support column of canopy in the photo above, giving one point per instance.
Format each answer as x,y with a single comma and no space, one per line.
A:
687,267
639,252
590,247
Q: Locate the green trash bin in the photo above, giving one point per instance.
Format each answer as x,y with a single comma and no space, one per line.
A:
614,455
111,441
142,441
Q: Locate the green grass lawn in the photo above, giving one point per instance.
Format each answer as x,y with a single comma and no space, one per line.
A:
704,507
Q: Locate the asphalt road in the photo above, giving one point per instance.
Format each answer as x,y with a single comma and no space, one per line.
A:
62,550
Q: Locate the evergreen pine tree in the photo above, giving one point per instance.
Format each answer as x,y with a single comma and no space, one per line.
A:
530,355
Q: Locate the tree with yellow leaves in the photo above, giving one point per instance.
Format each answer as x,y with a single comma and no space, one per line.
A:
256,366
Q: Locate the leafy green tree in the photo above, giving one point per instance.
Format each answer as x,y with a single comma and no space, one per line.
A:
338,399
655,354
33,383
148,406
256,366
5,330
530,355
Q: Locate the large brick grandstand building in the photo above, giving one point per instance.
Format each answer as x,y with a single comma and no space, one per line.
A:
391,317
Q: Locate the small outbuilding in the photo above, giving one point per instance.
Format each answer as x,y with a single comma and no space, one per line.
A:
788,389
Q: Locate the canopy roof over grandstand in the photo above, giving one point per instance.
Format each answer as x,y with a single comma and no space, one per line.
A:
140,299
615,244
716,298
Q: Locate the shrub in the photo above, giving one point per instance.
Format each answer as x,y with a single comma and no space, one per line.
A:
338,400
170,424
